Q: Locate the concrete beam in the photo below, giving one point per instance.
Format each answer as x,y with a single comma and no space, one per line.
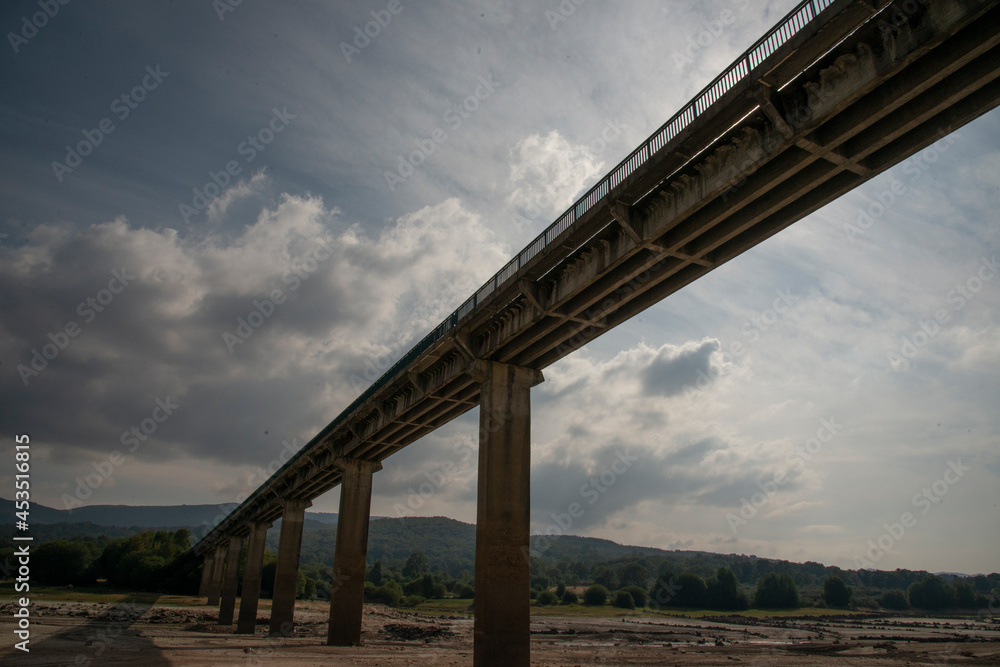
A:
348,592
230,580
247,623
287,571
218,565
501,632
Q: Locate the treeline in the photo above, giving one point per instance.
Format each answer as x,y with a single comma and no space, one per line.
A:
154,561
161,561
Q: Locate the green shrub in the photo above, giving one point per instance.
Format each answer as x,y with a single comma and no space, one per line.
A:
569,597
638,595
411,600
623,600
595,595
546,598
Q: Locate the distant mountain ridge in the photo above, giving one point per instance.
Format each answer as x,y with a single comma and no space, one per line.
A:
145,516
449,544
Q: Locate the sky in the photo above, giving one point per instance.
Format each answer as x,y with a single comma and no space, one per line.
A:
221,221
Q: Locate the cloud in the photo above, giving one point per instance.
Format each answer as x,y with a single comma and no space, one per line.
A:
547,173
675,369
256,336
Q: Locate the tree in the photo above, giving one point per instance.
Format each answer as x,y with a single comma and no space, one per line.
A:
893,600
623,600
560,589
690,591
605,576
723,592
569,597
309,589
836,593
932,593
64,562
964,596
416,565
375,573
634,574
776,591
595,595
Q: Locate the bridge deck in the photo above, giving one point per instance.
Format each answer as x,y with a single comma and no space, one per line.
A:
840,93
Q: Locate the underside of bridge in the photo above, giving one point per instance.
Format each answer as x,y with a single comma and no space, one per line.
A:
861,87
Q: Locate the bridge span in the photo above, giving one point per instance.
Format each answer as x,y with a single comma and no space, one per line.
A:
836,93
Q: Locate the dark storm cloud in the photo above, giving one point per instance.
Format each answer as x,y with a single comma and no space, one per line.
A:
673,370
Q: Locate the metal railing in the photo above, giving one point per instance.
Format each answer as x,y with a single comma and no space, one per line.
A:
787,28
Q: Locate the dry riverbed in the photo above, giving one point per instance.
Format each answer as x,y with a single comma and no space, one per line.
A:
149,633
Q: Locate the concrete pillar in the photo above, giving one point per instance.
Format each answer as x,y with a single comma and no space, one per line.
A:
287,571
230,580
215,587
502,624
247,623
206,574
347,595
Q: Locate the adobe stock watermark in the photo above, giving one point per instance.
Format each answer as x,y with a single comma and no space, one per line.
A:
751,330
454,117
363,35
710,31
436,480
248,149
957,298
924,500
591,491
796,460
528,213
122,106
30,26
664,593
133,438
914,167
263,309
563,11
992,608
223,7
88,309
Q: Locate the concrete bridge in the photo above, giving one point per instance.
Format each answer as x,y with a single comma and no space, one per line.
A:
838,92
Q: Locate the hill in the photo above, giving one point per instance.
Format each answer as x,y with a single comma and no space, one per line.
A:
148,516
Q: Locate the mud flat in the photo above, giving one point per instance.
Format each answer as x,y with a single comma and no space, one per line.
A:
144,632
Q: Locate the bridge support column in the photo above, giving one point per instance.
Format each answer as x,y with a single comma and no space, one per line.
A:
502,631
230,580
287,571
206,575
215,587
247,623
347,595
